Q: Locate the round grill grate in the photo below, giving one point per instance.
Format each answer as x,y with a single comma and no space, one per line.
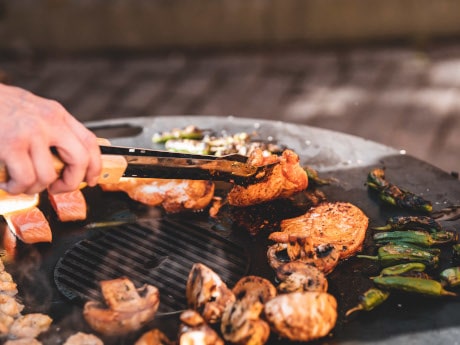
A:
159,252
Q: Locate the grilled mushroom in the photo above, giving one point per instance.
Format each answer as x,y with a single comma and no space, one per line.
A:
241,323
195,331
298,276
302,316
207,293
128,308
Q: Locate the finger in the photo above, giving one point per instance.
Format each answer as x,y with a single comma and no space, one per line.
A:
42,160
21,173
90,142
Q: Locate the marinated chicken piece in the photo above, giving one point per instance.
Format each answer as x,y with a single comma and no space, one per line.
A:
9,306
195,331
302,316
207,293
30,325
81,338
154,337
69,206
298,276
324,232
286,179
24,341
173,195
128,308
241,323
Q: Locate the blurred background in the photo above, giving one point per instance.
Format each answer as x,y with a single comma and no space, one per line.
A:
387,71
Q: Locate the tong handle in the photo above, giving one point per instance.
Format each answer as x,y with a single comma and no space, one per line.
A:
113,168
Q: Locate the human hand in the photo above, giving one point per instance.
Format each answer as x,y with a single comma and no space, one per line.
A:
29,127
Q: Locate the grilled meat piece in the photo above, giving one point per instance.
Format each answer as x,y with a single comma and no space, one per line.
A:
70,206
128,308
298,276
195,331
30,225
154,337
81,338
286,179
173,195
331,230
207,293
302,316
30,325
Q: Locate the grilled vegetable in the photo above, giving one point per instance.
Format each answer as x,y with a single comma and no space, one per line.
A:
420,238
411,222
422,286
188,146
394,254
456,252
451,276
403,269
189,132
369,300
314,178
393,195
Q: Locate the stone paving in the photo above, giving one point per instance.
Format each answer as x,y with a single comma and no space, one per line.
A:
402,97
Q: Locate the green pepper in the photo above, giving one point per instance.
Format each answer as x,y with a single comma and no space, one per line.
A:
394,254
369,300
403,268
451,276
417,237
422,286
456,252
411,222
189,132
394,195
314,177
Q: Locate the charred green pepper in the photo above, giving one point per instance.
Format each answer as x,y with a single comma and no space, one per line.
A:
420,238
369,300
394,254
403,269
394,195
411,222
422,286
451,276
314,177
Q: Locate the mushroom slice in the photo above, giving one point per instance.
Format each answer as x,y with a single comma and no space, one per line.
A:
154,337
81,338
325,257
30,325
253,289
298,276
195,331
207,293
241,323
302,316
128,309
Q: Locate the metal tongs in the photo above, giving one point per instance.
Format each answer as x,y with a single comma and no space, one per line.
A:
145,163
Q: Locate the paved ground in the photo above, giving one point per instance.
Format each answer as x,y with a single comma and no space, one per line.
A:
406,98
